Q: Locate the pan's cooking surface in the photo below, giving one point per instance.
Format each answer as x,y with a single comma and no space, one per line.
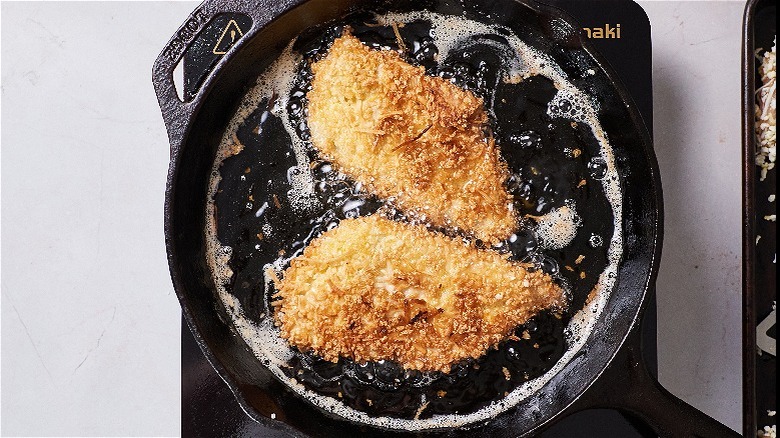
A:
556,162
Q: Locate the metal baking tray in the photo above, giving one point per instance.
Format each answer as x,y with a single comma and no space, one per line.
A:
759,268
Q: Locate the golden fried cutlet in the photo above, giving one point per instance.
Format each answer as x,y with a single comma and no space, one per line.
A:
373,289
416,138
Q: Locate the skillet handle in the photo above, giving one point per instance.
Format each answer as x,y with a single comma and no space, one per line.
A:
627,386
176,113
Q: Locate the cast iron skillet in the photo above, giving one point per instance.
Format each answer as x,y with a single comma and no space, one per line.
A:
607,372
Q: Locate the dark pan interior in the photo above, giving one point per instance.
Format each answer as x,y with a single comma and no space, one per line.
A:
259,393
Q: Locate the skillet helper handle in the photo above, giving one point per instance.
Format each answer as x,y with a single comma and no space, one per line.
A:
627,386
177,113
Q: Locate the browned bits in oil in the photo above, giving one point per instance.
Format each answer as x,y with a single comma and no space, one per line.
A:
581,183
507,374
441,393
569,268
576,153
398,39
276,201
420,410
582,275
579,259
260,236
271,274
235,146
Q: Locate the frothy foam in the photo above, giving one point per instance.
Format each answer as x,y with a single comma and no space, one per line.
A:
573,106
558,228
301,194
449,32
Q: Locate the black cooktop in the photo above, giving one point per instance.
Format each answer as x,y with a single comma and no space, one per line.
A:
620,30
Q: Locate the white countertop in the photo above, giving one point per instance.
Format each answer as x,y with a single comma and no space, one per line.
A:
90,325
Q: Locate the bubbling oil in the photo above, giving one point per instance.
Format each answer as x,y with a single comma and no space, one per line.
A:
271,194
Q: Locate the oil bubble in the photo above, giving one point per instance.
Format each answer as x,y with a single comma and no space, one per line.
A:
526,140
597,167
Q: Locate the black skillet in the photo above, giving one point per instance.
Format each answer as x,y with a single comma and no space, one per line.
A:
607,372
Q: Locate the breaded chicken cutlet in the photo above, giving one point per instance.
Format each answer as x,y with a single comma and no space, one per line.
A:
412,137
373,289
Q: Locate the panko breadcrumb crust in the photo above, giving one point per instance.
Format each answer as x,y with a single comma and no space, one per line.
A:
374,289
417,139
